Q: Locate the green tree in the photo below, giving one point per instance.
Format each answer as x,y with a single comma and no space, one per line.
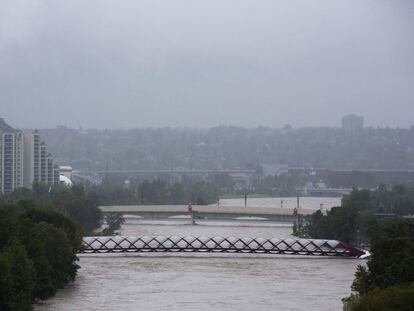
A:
53,257
392,248
58,220
396,298
114,222
38,247
340,223
359,199
17,278
203,193
388,281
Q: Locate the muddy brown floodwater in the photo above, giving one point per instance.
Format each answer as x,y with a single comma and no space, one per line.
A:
206,281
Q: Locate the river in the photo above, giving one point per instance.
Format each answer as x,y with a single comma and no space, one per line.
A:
206,281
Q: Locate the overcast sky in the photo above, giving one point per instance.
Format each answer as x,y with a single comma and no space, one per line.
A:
202,63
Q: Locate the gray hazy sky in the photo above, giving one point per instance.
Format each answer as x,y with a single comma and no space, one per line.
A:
202,63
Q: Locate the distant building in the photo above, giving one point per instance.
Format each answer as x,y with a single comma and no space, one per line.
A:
11,158
273,169
351,123
66,171
23,160
63,180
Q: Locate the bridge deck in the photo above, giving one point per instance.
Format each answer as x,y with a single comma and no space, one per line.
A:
132,244
131,209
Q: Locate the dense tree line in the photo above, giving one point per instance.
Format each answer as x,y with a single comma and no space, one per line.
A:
40,233
232,147
398,200
76,203
352,221
387,282
155,192
353,179
37,254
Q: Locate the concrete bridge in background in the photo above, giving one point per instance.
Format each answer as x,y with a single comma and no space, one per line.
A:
208,212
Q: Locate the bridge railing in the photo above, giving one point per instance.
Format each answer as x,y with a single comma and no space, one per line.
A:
204,244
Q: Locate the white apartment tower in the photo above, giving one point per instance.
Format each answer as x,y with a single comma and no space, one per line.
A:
39,163
23,160
11,158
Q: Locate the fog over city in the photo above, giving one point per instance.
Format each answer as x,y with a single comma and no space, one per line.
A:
206,155
126,64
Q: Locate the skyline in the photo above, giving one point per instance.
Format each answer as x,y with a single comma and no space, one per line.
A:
335,126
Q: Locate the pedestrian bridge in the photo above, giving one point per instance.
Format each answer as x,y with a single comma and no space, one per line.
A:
203,244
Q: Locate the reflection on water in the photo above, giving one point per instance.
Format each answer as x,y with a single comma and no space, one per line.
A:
203,282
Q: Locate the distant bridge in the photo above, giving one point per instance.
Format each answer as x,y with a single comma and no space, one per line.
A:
209,212
325,192
178,171
203,244
365,170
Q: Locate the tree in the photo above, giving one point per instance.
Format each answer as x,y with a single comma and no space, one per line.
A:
114,222
359,199
203,193
388,281
340,223
392,248
38,250
8,223
58,220
53,256
17,278
398,298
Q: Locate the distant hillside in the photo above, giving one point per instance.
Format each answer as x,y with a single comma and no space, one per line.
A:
231,147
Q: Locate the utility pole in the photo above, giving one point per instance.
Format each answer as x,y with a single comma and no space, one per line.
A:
191,176
298,219
297,202
106,170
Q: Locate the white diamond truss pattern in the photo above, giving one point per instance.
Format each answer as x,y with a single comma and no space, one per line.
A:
217,244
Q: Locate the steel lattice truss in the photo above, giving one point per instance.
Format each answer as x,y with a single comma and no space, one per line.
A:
131,244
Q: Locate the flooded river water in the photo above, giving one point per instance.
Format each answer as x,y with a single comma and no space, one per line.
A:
206,281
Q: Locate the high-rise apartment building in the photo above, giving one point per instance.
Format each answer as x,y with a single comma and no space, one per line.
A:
23,160
11,158
352,123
